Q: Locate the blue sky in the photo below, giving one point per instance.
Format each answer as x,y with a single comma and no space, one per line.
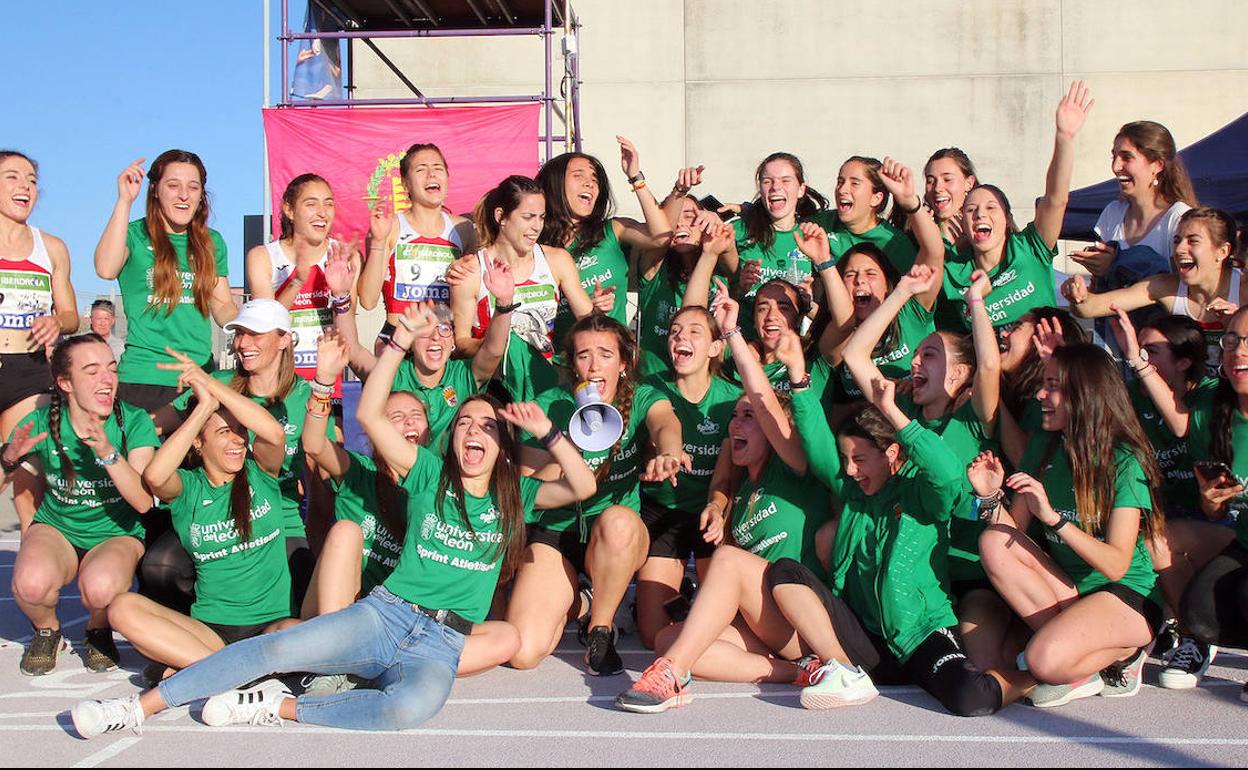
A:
99,84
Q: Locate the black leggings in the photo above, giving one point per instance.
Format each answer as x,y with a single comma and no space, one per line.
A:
1215,605
938,665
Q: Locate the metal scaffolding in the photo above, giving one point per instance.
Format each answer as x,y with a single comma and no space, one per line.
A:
369,20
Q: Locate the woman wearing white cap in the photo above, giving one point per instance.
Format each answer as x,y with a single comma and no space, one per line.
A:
264,371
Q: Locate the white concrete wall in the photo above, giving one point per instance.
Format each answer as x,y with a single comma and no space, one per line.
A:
725,82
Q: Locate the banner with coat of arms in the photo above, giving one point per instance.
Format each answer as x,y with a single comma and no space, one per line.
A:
358,151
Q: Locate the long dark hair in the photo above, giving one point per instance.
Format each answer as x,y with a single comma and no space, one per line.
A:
290,196
892,337
1101,420
1187,341
240,485
758,229
61,365
504,486
1020,386
1002,200
506,196
405,163
627,344
561,226
200,252
869,423
717,362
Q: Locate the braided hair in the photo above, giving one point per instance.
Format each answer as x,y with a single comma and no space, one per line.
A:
61,365
624,392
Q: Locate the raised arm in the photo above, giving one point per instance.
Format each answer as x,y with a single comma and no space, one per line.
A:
161,474
812,240
986,389
1173,410
111,252
861,345
382,235
330,456
767,410
269,443
899,181
464,277
371,413
500,283
716,240
658,229
577,482
126,471
1071,114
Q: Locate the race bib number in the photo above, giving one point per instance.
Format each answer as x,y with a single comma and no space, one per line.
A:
420,272
306,329
24,296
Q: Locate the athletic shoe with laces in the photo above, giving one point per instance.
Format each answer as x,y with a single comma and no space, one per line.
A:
600,654
256,705
1168,641
658,690
807,665
1124,678
93,718
1053,695
329,684
585,594
834,685
1187,665
102,654
41,654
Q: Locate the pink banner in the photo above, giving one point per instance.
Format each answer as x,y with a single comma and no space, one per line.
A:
358,151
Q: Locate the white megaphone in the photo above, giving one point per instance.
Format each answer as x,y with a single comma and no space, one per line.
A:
595,425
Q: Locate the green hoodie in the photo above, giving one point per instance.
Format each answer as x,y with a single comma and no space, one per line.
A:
890,560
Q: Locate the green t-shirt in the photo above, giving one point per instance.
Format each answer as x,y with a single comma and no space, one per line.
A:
149,330
621,486
703,427
290,412
604,264
524,372
894,242
1130,491
964,434
236,583
91,510
356,500
1022,281
778,375
777,515
914,324
447,564
1199,437
1179,491
442,400
782,259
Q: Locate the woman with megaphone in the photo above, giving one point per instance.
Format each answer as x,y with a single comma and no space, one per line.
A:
603,537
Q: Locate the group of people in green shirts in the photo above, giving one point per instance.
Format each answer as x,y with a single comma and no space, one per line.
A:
887,455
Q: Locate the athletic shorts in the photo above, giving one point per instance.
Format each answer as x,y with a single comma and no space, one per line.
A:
147,397
568,543
23,375
231,634
674,534
1146,607
939,664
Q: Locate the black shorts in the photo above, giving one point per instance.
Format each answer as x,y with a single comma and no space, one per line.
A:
146,397
231,634
568,543
674,534
939,664
1147,608
23,375
960,588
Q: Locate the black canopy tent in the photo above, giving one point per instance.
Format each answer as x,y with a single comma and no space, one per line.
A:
1218,165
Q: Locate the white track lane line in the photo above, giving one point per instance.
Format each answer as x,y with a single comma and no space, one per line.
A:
1091,740
108,752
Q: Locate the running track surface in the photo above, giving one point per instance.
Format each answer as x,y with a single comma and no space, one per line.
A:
557,715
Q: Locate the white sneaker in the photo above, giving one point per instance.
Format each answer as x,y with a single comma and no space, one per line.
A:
93,718
834,684
1187,665
256,705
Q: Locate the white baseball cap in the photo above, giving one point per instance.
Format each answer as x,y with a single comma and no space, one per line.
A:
260,316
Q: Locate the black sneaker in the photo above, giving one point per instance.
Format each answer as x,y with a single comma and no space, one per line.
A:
102,654
601,656
154,674
586,596
1168,639
40,656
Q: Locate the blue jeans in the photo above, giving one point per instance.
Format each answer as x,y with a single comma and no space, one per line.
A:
410,656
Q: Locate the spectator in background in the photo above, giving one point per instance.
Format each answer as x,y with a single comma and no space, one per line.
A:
103,318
